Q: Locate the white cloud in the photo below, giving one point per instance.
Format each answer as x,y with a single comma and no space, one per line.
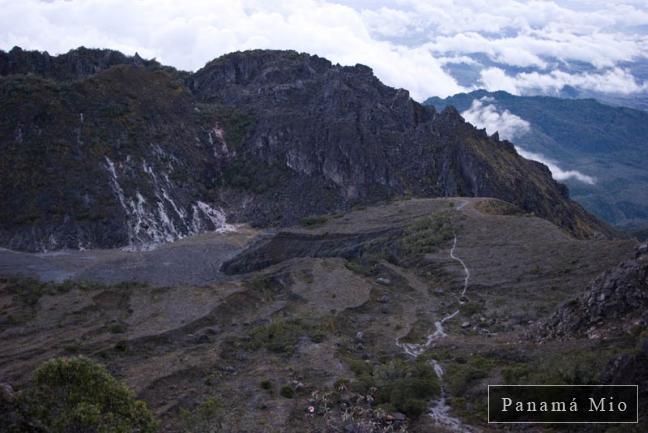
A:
613,80
190,33
506,124
509,126
406,42
557,173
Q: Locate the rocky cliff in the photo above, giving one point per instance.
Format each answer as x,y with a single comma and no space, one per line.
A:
119,158
104,150
615,303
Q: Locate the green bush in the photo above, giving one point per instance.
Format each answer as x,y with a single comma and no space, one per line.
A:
471,308
403,386
313,221
283,336
71,395
207,417
461,376
117,328
359,268
287,391
568,366
427,234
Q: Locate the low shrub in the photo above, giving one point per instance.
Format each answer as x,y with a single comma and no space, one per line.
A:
207,417
71,395
283,336
426,235
287,391
404,386
313,221
359,268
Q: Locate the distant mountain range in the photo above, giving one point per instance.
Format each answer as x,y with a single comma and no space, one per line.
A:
605,147
98,149
467,70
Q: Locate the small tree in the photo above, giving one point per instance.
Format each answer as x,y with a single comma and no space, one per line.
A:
76,395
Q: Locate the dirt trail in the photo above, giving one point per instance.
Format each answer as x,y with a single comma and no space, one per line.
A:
466,270
440,411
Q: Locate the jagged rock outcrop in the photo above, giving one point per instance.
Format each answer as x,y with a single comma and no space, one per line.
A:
615,302
104,150
327,136
75,64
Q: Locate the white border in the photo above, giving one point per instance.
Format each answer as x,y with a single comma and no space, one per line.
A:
562,422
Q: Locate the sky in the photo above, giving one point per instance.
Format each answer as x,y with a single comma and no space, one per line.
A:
431,48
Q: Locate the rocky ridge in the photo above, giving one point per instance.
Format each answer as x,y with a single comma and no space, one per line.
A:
105,150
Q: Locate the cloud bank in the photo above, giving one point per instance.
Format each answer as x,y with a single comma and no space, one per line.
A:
514,45
509,126
484,115
190,33
558,173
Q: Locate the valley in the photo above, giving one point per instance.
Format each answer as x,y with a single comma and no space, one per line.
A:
597,148
390,317
279,243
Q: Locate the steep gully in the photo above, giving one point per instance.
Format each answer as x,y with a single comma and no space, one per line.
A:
440,411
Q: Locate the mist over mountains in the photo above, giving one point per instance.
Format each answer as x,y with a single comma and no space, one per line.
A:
596,149
559,47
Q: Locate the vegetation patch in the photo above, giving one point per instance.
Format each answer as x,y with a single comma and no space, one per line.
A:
72,395
357,267
498,207
313,221
255,175
471,308
283,336
427,235
287,391
463,373
399,385
27,292
579,366
207,417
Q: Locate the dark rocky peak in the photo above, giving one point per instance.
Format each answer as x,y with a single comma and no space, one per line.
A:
341,129
75,64
268,137
257,68
451,113
258,73
297,84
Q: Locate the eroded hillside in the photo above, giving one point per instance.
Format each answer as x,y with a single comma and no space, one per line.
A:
395,315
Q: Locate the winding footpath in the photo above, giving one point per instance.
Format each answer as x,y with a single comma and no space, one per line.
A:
440,411
466,270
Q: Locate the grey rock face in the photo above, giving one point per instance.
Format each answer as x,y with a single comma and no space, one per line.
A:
103,150
615,298
326,137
